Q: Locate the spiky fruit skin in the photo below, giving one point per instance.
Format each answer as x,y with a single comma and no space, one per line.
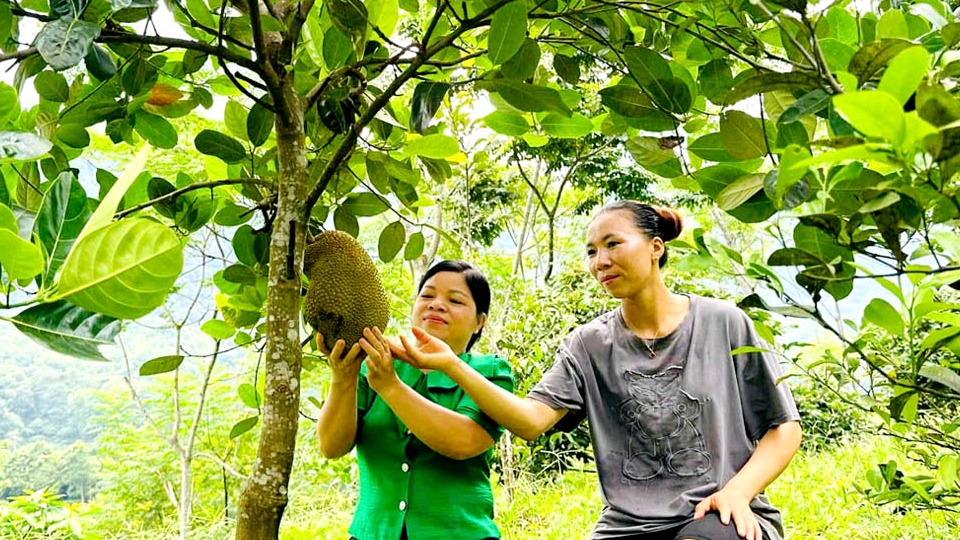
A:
345,294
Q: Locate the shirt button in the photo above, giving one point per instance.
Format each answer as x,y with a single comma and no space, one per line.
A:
403,505
404,467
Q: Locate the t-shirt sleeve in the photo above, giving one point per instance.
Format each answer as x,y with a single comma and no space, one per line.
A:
496,370
766,400
562,388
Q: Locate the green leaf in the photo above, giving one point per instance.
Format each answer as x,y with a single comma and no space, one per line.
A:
652,72
344,220
52,86
880,313
157,130
384,15
18,258
235,118
63,213
508,29
510,124
67,329
768,82
710,147
9,104
63,43
716,80
524,64
124,270
99,63
365,204
391,240
568,68
248,395
887,199
217,144
8,221
640,112
217,329
73,135
336,48
560,126
427,97
739,192
201,13
414,246
259,124
21,146
893,24
873,113
905,73
161,364
742,135
348,16
713,180
243,426
250,248
432,146
651,156
873,56
529,97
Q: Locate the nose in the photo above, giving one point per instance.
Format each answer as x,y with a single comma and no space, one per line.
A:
436,305
600,259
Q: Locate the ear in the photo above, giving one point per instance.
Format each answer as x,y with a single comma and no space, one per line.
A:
658,248
481,320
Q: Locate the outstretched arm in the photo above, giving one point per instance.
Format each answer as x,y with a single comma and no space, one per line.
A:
771,456
525,417
337,423
446,432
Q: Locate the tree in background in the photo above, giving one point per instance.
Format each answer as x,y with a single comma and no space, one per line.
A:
837,126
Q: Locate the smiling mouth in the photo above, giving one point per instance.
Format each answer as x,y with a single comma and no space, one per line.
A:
435,320
607,279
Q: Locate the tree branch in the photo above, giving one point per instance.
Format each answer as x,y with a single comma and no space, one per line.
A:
114,36
192,187
19,55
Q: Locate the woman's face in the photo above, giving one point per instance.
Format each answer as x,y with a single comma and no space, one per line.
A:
445,309
620,255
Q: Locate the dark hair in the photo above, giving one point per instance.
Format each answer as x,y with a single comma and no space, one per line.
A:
653,221
476,282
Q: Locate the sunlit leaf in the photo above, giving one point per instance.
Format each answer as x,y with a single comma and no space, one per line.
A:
63,213
21,146
161,364
217,144
427,97
904,73
124,270
19,258
508,28
243,426
391,240
67,329
432,146
63,43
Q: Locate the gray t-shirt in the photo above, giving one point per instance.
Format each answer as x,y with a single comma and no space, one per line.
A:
671,430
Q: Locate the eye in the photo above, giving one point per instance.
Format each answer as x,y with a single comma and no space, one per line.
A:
426,296
613,243
591,252
458,302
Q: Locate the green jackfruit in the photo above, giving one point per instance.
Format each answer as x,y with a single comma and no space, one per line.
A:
345,294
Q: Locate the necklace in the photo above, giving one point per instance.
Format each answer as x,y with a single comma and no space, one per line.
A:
649,346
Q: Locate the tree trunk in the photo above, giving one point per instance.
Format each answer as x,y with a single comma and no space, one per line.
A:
264,495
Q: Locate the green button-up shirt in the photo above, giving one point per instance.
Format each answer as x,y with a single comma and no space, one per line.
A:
402,481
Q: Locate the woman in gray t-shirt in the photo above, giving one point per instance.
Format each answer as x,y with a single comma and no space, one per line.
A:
686,435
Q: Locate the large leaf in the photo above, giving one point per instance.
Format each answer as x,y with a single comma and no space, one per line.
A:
905,73
628,101
365,204
873,56
713,180
739,191
67,329
124,270
99,63
652,72
21,146
214,143
156,129
427,97
880,313
63,43
432,146
62,216
942,375
563,127
768,82
9,104
873,113
348,16
259,124
52,86
529,97
742,135
161,364
508,29
18,258
511,124
710,147
391,240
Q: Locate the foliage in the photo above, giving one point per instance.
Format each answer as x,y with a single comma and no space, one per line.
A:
40,515
835,127
68,473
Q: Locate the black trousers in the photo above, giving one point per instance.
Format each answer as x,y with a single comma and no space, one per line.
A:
708,528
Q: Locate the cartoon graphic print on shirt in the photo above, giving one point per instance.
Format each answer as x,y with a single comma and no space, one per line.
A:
664,422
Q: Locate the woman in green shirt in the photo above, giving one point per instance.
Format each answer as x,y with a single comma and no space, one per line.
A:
423,446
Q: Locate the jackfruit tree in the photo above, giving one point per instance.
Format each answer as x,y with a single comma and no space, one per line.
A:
833,125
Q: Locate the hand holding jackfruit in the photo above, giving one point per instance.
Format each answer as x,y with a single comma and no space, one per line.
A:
345,294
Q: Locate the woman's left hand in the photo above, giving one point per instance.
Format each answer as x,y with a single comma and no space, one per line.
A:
381,374
730,503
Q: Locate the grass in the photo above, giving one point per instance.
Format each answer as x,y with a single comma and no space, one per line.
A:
816,494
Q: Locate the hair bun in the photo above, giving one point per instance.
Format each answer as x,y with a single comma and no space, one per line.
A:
671,223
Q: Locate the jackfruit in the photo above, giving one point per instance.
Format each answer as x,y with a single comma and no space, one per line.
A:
345,294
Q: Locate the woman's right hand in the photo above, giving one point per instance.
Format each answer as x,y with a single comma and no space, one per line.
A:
428,353
343,367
